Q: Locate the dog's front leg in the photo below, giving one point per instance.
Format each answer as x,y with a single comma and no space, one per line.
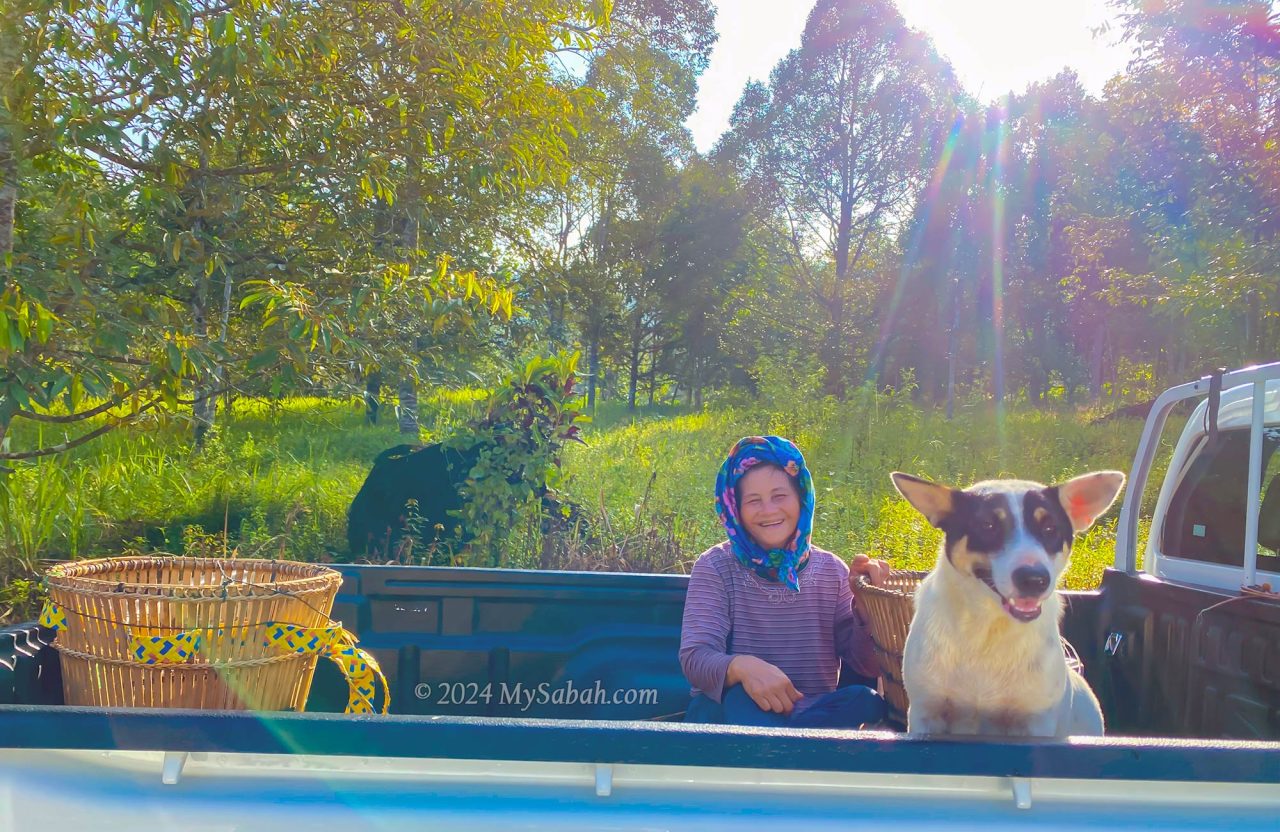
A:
995,725
1005,722
1043,724
928,717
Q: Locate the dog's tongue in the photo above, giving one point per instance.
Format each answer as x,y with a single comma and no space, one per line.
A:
1023,609
1026,604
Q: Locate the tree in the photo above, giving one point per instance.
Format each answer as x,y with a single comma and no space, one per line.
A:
178,161
929,322
838,144
1203,93
700,270
632,140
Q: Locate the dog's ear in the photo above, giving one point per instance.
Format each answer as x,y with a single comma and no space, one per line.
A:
932,500
1087,497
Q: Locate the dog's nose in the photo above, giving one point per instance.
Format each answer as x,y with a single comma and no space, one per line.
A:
1031,580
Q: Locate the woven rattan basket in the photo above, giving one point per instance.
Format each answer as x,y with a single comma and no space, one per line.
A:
108,607
888,611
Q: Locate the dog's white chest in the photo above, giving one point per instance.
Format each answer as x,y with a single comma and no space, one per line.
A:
984,676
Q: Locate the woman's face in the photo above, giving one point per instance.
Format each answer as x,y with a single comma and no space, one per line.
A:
770,506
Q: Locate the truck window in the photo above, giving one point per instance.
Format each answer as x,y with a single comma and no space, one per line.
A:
1206,517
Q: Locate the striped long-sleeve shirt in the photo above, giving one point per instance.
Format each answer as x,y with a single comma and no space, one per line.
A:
731,611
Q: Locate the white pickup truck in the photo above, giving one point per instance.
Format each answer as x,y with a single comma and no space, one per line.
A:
1186,663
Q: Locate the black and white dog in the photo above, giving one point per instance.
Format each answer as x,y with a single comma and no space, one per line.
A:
984,653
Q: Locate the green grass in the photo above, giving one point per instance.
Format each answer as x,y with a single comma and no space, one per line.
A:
851,448
283,473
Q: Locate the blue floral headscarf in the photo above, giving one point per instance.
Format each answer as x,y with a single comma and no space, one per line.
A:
781,565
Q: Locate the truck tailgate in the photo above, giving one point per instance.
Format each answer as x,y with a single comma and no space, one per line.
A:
75,768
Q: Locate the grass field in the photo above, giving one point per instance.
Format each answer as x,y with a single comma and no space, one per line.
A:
659,471
284,473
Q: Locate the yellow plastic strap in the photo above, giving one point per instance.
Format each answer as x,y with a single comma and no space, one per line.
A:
339,646
175,649
52,617
361,671
296,639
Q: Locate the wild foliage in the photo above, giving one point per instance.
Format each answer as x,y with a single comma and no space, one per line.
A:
518,444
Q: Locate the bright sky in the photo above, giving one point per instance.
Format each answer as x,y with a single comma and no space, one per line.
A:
995,46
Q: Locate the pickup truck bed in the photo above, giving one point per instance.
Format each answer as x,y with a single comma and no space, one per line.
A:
602,646
449,758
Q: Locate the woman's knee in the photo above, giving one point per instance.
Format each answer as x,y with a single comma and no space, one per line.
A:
852,706
863,703
704,710
741,709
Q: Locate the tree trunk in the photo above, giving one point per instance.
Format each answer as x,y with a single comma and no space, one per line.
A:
409,200
844,227
407,389
1180,360
1095,364
224,378
408,408
204,403
8,199
834,360
202,406
10,53
1252,317
372,389
228,396
7,409
593,369
833,352
634,370
835,381
652,375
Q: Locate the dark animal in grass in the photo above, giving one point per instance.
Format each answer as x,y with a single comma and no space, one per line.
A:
430,476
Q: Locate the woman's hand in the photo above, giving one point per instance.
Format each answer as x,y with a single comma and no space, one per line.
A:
877,571
767,686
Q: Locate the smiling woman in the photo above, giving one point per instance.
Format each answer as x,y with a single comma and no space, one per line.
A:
769,619
769,502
